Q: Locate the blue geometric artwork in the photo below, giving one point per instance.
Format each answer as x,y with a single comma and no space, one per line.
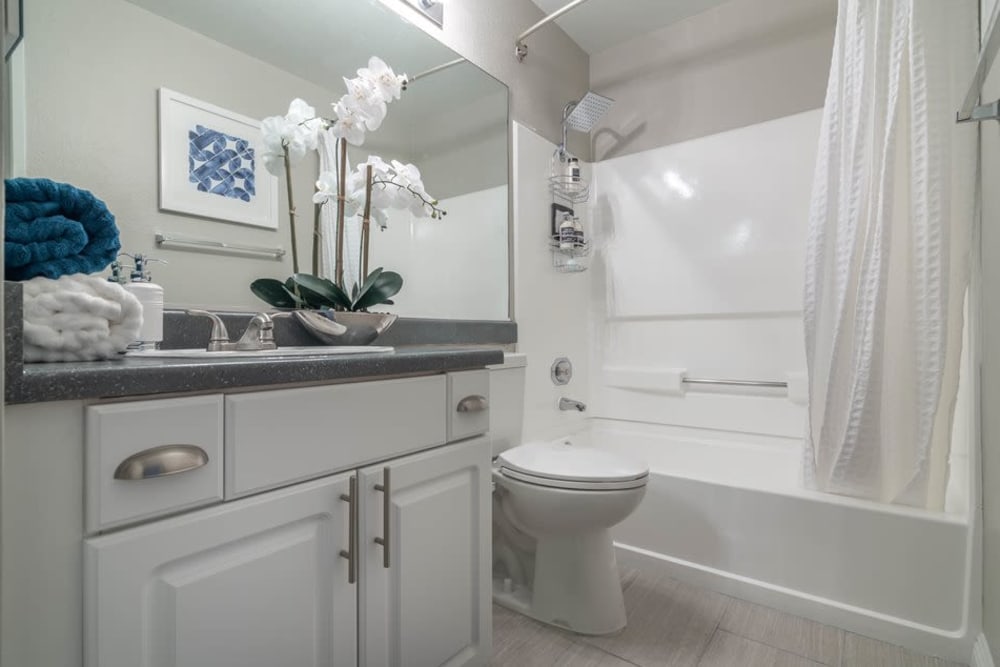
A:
220,163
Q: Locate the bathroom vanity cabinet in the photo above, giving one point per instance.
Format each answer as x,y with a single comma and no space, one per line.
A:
329,525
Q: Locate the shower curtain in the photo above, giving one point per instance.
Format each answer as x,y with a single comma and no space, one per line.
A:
888,253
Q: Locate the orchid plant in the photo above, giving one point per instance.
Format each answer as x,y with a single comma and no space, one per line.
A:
370,190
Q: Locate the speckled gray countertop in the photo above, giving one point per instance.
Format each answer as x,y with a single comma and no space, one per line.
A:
33,383
135,377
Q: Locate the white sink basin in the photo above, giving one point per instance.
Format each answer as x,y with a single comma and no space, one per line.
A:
291,351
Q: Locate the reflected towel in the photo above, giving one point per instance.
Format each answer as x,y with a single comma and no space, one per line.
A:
78,318
54,229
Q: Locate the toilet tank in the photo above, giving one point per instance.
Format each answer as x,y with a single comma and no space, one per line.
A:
507,401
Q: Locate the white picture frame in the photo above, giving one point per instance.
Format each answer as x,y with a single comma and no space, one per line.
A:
210,164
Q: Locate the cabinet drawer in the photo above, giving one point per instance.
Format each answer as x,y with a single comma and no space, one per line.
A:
335,427
468,404
186,470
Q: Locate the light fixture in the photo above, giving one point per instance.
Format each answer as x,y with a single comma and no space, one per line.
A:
432,9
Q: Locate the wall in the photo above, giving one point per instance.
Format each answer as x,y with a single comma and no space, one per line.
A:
555,72
698,274
551,308
740,63
116,154
105,96
473,235
990,369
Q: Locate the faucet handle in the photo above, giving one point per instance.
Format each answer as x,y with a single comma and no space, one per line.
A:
259,334
220,335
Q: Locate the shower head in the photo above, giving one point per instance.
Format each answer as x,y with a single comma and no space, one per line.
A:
582,116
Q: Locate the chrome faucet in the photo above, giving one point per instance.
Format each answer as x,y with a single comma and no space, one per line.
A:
258,336
570,404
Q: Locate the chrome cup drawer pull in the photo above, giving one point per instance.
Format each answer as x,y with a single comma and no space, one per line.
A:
473,403
161,461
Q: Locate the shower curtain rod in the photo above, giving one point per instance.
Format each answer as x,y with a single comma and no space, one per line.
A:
433,70
520,48
970,113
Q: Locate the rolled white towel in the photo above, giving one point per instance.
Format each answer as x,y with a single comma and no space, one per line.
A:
78,318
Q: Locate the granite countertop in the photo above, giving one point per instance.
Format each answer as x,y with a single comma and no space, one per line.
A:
142,376
421,347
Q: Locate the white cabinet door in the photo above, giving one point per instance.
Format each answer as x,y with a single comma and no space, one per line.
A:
254,583
431,605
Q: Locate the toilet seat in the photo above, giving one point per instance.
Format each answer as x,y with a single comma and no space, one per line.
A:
563,465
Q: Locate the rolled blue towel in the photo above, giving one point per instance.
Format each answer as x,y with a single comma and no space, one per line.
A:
54,229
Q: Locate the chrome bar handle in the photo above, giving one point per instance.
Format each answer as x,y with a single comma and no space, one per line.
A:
161,461
386,504
351,554
473,403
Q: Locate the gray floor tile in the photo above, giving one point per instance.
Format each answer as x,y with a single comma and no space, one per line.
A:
669,623
729,650
584,655
783,631
520,641
866,652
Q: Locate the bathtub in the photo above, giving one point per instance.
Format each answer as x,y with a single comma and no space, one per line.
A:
731,515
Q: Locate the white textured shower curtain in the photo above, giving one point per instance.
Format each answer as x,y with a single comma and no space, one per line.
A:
888,255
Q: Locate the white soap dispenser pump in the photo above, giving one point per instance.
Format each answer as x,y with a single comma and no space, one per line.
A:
150,295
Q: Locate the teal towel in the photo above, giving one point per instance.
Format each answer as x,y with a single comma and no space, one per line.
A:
54,229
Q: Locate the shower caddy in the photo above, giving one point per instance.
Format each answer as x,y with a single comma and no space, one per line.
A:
571,252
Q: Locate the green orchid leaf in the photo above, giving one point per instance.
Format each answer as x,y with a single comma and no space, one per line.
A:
384,288
273,293
369,282
318,292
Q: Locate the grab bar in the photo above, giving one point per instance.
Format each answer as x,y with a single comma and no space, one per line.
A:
969,112
737,383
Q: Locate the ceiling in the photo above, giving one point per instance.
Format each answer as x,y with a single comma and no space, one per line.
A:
600,24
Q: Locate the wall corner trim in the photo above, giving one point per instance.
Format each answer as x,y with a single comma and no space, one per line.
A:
981,655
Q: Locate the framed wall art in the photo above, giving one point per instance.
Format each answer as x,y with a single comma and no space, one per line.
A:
210,163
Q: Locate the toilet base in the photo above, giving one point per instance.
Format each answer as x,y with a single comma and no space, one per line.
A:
575,587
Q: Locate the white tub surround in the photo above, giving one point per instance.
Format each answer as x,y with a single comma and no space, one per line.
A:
888,254
728,512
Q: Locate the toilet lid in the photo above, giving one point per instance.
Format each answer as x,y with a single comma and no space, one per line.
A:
564,461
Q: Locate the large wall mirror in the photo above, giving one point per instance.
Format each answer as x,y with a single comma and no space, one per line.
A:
92,70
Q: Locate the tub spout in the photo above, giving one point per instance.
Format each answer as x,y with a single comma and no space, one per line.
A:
570,404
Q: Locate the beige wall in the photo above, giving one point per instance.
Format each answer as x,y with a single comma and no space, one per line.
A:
990,375
102,101
555,72
740,63
92,71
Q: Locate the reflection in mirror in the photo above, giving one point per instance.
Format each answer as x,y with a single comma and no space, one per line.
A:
92,72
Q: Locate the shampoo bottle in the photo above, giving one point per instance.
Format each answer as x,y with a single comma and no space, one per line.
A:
150,295
567,233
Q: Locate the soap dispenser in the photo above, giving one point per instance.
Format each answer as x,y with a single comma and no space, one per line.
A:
150,295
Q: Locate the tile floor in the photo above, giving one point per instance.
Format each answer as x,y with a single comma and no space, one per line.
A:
673,624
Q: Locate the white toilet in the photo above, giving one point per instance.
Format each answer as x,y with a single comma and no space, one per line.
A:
553,503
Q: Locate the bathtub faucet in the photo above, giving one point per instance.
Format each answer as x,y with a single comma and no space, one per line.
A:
570,404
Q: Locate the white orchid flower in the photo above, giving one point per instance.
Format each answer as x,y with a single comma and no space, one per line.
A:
383,78
298,131
303,125
273,148
326,187
350,124
365,98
